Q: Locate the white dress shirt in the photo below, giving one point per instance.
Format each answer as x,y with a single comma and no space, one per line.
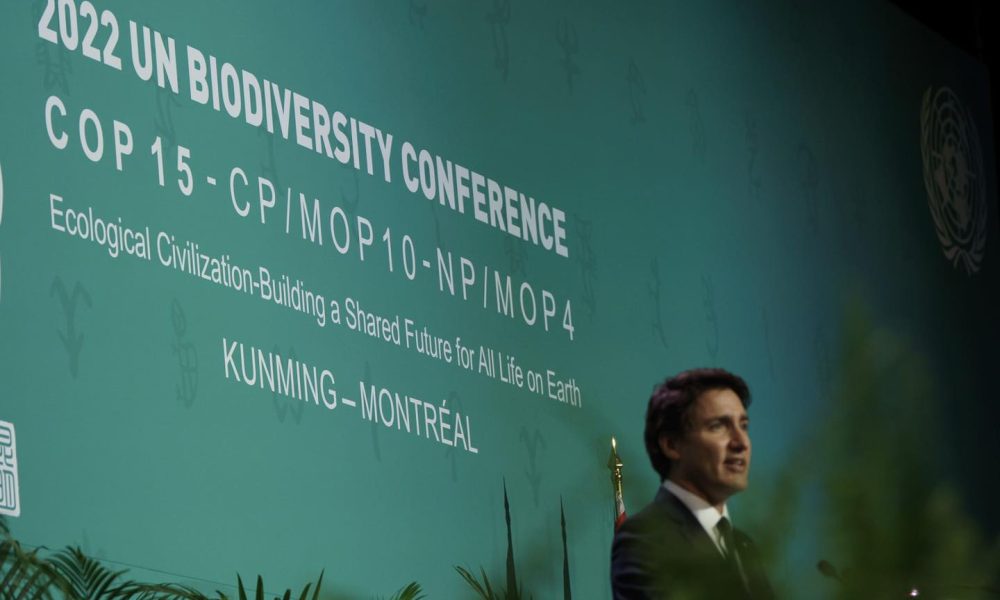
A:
708,516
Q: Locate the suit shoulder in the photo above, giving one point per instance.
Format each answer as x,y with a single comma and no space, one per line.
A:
652,515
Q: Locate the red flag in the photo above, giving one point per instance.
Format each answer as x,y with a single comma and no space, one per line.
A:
619,509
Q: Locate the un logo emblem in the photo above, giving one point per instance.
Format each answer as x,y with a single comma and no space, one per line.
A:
953,175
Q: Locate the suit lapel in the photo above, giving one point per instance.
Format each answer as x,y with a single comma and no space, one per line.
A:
688,526
757,580
701,545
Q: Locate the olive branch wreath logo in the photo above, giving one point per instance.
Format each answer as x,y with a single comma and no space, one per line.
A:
953,176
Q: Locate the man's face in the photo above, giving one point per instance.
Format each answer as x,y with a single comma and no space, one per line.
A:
712,457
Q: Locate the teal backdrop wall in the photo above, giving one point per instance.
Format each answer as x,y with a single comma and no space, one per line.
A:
722,183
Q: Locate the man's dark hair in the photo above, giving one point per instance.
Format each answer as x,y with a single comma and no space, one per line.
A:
670,405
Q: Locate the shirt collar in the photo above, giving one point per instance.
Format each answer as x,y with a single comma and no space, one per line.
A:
706,514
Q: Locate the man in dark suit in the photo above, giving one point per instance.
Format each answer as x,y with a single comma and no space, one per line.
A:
683,545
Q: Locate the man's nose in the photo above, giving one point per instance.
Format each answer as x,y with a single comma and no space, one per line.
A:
739,439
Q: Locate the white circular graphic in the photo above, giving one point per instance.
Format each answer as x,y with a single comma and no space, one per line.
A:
953,175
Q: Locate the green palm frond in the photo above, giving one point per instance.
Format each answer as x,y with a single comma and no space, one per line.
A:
131,590
243,592
319,584
88,578
411,591
72,575
260,594
26,575
484,589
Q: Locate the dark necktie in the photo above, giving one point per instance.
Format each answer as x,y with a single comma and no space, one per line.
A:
726,531
729,541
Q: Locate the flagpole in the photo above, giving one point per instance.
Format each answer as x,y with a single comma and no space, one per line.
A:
615,466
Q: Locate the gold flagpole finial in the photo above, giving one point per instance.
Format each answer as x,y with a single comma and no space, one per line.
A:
615,465
613,460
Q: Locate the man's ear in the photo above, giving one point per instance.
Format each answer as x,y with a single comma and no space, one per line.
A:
668,446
